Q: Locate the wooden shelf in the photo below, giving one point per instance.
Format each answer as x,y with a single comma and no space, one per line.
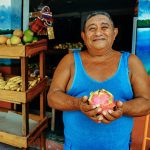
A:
23,97
23,141
18,51
23,52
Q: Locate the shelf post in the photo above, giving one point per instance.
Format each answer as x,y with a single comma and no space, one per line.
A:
25,106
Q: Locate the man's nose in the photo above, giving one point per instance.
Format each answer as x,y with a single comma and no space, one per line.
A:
98,32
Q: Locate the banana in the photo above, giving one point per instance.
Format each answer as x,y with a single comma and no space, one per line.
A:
33,83
15,78
2,87
15,83
6,87
30,87
29,83
2,82
18,81
38,79
19,89
10,83
13,86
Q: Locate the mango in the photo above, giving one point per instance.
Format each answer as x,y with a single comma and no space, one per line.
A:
3,39
18,33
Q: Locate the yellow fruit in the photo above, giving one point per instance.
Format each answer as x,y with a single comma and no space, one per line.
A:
18,33
3,39
15,40
8,42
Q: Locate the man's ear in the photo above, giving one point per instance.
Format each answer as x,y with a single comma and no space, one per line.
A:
116,31
83,35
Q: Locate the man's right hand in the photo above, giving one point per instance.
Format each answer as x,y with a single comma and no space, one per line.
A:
90,110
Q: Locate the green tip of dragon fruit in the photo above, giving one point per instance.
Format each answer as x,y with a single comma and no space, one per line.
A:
102,98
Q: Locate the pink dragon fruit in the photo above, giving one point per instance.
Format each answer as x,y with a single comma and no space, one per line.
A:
102,98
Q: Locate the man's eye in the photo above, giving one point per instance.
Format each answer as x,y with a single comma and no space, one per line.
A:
105,27
91,29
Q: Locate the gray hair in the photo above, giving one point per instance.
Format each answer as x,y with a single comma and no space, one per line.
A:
95,13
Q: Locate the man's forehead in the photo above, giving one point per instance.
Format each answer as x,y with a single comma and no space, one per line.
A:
98,18
101,15
101,19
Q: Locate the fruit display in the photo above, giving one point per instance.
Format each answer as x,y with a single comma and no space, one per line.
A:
102,98
18,38
15,83
68,45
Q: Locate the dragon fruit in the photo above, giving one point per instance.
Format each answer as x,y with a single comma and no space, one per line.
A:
102,98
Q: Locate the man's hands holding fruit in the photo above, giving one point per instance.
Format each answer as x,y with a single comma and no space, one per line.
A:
100,107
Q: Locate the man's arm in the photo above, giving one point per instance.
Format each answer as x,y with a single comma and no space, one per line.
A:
57,98
140,105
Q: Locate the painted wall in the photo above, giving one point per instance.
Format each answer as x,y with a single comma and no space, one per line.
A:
10,19
143,33
10,15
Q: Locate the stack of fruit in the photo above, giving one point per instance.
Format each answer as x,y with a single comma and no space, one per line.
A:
18,37
15,83
29,37
69,45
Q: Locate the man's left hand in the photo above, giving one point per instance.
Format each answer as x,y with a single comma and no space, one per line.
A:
111,115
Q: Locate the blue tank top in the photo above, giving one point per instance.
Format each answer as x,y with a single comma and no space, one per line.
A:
81,133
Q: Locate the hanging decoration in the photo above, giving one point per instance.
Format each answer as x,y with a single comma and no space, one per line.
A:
43,22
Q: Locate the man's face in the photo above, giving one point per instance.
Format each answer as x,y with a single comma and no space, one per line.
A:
99,32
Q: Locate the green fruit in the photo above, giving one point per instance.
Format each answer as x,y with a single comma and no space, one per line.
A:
28,32
27,38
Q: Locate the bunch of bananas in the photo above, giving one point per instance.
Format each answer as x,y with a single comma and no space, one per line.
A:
2,84
15,83
33,83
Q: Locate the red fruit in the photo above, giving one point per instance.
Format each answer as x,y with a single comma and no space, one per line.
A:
102,98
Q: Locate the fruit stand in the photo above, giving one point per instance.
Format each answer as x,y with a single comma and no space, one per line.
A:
25,95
